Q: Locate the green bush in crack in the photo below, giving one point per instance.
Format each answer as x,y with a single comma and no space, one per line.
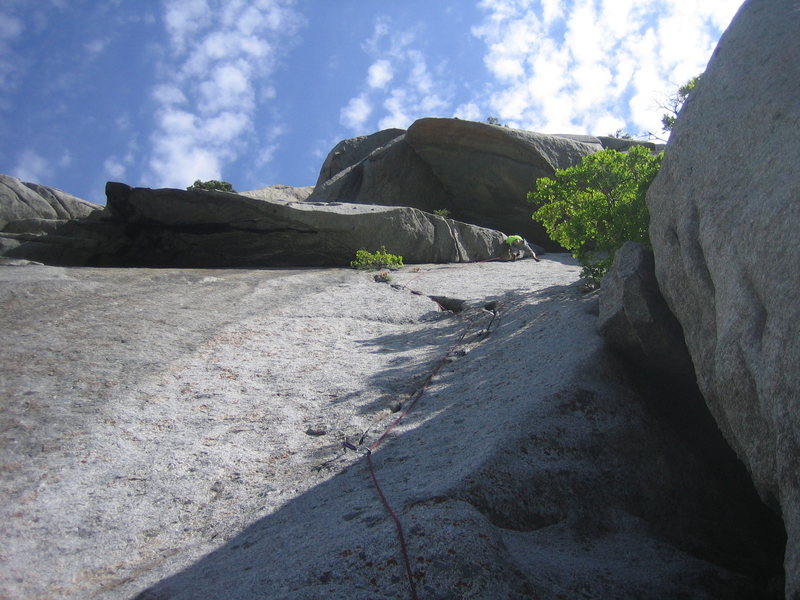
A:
373,261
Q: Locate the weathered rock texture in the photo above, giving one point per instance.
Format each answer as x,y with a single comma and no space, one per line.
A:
181,430
350,151
29,211
481,173
635,319
725,217
267,227
215,229
20,201
280,193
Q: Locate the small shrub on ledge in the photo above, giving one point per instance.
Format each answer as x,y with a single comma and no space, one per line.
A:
212,185
373,261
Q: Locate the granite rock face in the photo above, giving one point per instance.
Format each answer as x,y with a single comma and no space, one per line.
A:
20,201
352,150
167,227
280,193
178,434
29,211
273,226
725,217
392,175
634,318
480,173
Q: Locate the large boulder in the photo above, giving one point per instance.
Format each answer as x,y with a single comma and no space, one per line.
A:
28,211
725,218
21,201
198,228
623,144
392,175
270,227
481,173
350,151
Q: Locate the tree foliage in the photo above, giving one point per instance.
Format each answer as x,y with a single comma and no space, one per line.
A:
676,102
211,185
495,121
593,208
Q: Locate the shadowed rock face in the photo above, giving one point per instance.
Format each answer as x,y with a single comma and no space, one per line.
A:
481,173
725,218
635,319
197,228
352,150
181,431
268,227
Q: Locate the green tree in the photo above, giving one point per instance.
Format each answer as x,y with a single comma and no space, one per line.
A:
211,185
621,134
676,102
593,208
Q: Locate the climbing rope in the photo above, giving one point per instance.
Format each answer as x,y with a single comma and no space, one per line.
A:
410,405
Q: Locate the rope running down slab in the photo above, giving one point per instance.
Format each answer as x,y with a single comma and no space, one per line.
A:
415,398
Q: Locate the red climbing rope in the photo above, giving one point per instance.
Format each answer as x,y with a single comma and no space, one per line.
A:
410,405
398,525
425,385
417,395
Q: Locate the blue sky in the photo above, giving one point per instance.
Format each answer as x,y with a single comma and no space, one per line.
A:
159,93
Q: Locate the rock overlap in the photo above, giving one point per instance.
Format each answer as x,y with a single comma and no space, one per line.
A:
29,212
198,228
274,226
480,173
352,150
20,201
725,218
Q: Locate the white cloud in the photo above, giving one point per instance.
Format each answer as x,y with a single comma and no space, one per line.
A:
379,32
33,167
223,57
400,85
379,74
355,114
11,29
270,147
225,126
396,105
65,160
469,111
168,94
227,87
552,10
114,169
594,66
96,46
184,19
266,155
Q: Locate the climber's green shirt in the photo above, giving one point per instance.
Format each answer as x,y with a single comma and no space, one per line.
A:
512,239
